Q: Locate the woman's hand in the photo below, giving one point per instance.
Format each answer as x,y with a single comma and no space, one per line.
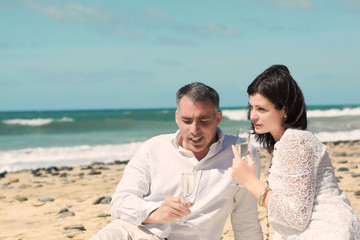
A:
243,172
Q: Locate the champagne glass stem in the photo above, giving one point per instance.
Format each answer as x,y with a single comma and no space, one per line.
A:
185,216
242,144
188,181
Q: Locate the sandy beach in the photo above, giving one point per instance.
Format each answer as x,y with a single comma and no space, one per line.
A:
73,203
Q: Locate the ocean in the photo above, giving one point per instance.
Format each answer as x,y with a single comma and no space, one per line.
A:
37,139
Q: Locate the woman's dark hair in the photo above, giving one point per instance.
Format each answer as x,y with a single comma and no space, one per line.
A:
277,85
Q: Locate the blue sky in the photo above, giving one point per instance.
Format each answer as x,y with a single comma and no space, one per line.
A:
136,54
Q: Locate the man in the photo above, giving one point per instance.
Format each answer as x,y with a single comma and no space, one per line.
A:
147,202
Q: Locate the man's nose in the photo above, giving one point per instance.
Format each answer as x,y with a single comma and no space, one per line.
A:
195,127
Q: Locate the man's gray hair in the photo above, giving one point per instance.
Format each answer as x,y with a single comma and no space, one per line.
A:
198,92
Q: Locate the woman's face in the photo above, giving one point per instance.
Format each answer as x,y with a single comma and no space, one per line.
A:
265,117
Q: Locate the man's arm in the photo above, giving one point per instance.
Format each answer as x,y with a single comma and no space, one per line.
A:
128,201
129,204
244,219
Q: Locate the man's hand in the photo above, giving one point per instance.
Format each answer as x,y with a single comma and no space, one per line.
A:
170,209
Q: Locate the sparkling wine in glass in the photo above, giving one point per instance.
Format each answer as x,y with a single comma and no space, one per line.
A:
187,182
242,142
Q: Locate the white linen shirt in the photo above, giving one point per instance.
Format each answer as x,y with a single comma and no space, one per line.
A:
154,173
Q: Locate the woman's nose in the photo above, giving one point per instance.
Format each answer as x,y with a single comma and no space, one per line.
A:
253,116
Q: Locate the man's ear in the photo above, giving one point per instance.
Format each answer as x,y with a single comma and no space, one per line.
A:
176,117
218,117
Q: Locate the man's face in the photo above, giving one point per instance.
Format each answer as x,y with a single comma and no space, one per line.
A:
197,123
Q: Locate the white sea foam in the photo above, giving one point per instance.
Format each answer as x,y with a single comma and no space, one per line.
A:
339,136
241,114
36,121
31,158
334,112
236,115
328,136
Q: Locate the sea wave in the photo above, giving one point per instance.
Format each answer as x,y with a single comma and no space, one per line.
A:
339,136
36,121
42,157
236,114
32,158
353,135
334,112
241,114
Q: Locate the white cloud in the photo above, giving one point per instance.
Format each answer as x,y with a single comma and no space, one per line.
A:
293,4
173,40
147,22
158,19
69,12
213,29
156,14
126,33
350,5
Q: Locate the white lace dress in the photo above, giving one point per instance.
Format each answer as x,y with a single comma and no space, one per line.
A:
306,202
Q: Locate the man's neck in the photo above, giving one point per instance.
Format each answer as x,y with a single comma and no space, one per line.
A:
199,155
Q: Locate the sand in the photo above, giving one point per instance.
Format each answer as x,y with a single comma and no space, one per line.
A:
24,216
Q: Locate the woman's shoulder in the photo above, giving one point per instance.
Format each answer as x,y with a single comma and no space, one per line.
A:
304,140
292,134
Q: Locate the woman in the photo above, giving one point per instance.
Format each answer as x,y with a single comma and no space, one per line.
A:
302,197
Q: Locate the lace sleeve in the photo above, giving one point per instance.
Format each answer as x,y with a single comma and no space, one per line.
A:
291,206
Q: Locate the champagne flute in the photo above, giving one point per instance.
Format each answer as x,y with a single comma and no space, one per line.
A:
187,182
242,142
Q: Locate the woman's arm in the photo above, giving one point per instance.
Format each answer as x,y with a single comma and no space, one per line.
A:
293,206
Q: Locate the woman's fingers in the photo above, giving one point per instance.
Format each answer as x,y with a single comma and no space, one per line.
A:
249,158
235,151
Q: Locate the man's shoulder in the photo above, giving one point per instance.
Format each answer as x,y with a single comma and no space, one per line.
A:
162,138
156,144
228,139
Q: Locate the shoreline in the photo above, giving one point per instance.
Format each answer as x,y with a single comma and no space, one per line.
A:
73,202
3,173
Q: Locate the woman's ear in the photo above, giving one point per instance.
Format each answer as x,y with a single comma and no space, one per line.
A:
285,114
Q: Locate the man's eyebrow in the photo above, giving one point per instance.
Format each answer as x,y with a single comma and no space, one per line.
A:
187,118
200,117
204,117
